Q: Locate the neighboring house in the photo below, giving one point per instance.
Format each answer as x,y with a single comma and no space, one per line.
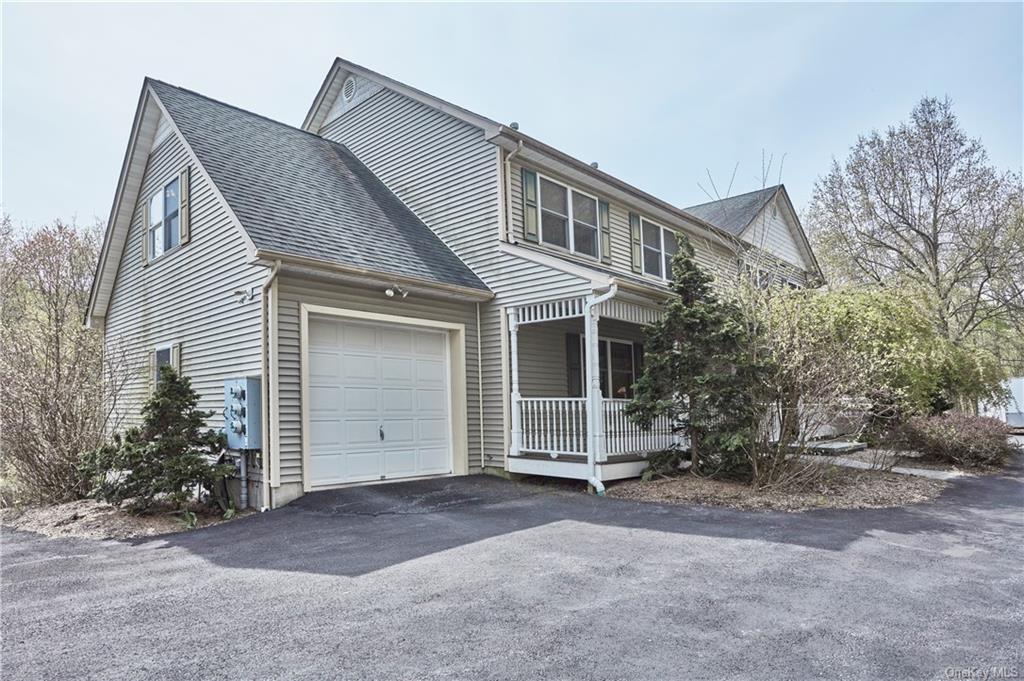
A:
424,291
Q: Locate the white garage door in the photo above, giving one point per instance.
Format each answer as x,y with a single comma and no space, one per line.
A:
378,402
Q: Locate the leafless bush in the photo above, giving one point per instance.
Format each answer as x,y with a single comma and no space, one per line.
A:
58,392
807,379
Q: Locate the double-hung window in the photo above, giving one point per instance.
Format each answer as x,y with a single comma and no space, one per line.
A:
164,231
659,247
569,218
620,363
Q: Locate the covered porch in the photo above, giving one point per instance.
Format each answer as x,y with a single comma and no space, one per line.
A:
573,365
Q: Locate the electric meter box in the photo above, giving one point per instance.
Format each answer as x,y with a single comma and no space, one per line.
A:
242,412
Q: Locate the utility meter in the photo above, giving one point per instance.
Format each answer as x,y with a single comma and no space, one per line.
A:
242,412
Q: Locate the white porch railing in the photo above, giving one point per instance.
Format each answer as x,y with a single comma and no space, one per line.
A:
554,425
558,426
622,436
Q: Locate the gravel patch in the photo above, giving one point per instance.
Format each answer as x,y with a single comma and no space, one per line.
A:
839,489
92,519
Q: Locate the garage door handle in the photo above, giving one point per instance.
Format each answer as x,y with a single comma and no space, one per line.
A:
380,429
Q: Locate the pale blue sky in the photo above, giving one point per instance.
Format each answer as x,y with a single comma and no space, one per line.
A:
658,94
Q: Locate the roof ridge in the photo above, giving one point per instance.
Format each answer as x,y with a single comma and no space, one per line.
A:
208,98
773,187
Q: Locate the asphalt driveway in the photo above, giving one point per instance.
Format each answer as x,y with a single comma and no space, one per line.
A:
479,578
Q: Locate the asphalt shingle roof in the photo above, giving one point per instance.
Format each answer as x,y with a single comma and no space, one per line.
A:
297,193
734,213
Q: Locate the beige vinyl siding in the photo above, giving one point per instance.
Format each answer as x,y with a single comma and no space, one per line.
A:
709,254
771,232
294,290
542,362
448,174
185,296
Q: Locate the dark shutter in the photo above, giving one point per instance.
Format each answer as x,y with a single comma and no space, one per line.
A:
636,243
184,221
573,365
605,223
145,232
531,217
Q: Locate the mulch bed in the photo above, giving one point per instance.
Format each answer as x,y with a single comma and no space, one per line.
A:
98,520
839,488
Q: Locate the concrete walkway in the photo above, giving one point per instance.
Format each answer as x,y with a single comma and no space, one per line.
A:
902,470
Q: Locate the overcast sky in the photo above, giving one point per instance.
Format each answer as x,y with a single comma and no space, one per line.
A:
660,95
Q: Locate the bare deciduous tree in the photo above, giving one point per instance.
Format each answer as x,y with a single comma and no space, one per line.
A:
57,390
921,206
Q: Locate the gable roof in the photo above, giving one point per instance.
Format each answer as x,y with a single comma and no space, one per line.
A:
733,214
299,194
502,136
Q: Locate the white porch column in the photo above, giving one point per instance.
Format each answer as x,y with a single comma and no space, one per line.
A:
516,407
595,416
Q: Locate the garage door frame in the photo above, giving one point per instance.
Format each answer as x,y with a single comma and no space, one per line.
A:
459,436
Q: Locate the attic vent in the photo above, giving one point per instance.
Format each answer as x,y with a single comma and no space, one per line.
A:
348,90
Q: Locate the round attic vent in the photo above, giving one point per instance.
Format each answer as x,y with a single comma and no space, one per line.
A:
348,90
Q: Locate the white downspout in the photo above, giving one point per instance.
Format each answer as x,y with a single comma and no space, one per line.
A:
595,415
508,191
265,385
480,385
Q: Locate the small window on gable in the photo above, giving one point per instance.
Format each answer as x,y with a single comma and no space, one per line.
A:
164,355
164,215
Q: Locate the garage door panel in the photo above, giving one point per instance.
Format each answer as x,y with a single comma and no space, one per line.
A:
434,460
397,400
397,370
432,344
325,433
323,365
396,341
430,373
366,378
360,368
323,332
360,400
431,402
362,465
324,398
330,467
358,337
360,432
399,431
399,462
432,430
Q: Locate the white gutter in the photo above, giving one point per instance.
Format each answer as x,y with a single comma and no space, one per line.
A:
265,385
508,191
594,406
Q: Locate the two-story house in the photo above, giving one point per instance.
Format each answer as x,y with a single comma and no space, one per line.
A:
422,290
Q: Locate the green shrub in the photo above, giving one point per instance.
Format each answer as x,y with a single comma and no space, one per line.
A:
961,439
167,459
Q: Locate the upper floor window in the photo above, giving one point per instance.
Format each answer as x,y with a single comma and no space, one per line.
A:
659,246
163,230
568,218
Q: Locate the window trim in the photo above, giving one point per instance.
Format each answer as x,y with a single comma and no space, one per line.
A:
570,219
664,276
174,361
608,359
151,255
